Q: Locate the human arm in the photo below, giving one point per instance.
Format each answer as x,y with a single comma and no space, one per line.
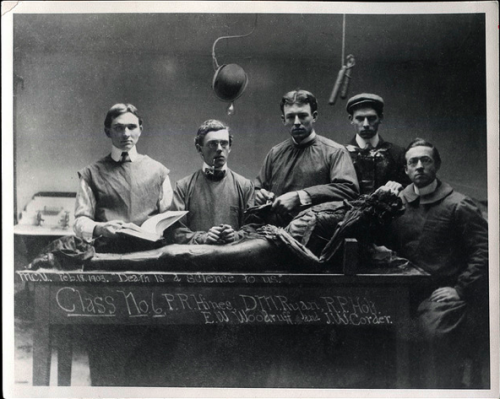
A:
393,186
222,234
343,181
165,201
343,185
444,294
262,196
261,182
473,229
179,232
85,226
84,212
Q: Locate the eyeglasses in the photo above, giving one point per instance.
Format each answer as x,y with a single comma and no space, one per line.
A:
426,161
214,144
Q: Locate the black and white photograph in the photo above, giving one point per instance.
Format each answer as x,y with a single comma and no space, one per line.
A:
254,199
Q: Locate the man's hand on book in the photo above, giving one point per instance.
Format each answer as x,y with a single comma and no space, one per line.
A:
108,229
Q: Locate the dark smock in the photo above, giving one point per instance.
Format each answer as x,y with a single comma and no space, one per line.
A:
378,165
320,167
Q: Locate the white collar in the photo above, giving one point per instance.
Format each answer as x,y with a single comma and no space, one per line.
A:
429,189
309,138
116,154
362,142
206,166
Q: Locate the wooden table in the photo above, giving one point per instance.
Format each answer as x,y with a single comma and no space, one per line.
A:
67,299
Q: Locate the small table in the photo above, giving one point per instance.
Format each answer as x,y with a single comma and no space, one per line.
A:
67,299
35,238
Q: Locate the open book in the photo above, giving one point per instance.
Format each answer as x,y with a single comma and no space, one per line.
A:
152,229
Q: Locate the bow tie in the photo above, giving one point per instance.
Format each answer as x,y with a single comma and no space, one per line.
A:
214,175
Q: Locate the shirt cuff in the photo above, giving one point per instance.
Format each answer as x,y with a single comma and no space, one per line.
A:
84,228
460,291
304,198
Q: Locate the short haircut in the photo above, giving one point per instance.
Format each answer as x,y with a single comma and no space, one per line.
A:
418,142
120,109
299,97
211,125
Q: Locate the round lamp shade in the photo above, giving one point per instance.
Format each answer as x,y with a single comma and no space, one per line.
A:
229,82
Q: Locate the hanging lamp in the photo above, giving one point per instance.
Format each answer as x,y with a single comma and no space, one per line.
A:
230,80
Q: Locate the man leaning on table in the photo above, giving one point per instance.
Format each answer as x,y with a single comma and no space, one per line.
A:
376,161
306,169
122,187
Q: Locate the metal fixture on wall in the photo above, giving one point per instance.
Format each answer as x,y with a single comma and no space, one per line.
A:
18,80
344,75
230,80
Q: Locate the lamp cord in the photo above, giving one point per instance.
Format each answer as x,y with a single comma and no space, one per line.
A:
216,65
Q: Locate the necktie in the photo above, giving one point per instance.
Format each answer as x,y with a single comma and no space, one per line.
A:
125,157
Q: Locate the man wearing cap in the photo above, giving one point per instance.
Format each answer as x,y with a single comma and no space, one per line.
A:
122,187
444,233
307,169
215,196
376,161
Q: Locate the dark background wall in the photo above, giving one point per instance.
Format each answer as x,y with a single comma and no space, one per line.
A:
430,69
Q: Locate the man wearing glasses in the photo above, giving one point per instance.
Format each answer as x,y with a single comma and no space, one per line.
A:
444,233
122,187
215,196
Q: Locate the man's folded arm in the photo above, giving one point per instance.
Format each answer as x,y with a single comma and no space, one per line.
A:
343,182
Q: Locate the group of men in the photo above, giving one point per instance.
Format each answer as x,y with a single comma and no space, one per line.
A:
441,231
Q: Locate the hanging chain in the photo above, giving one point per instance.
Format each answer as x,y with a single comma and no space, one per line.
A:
343,42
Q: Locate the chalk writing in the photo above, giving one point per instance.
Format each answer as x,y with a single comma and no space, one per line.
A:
35,277
134,278
83,278
225,305
210,278
74,301
148,277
